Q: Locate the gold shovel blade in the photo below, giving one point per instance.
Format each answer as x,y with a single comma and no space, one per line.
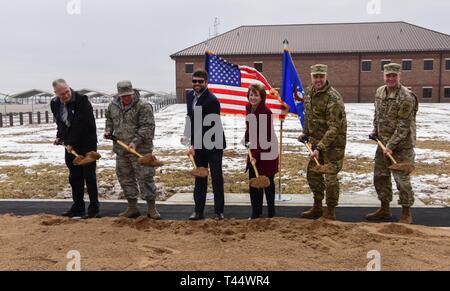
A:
327,169
82,161
150,161
260,182
94,155
405,167
200,172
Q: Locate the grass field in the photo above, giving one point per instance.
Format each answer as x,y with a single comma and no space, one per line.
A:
31,167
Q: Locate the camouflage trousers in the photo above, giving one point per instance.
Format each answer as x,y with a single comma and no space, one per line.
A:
329,184
134,178
382,177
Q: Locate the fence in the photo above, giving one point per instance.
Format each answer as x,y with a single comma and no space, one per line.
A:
46,117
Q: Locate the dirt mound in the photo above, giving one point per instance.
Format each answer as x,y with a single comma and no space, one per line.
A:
398,229
141,223
50,221
42,243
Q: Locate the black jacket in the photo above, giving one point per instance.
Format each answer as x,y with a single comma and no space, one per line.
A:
82,133
210,105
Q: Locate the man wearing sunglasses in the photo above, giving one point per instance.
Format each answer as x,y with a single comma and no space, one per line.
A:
207,142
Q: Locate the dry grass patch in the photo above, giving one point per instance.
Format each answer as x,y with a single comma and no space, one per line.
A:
433,169
43,181
358,166
105,148
173,181
107,175
437,145
50,142
11,158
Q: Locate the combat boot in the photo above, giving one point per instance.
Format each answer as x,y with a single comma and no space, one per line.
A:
152,212
383,213
406,217
330,213
132,210
315,212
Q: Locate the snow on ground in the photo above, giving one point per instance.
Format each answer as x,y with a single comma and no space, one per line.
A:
31,145
432,189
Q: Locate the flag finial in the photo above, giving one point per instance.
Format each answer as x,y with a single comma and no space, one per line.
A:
286,43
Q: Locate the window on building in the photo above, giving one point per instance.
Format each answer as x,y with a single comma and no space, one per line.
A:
258,66
428,65
384,62
407,65
447,92
366,66
447,64
189,68
427,92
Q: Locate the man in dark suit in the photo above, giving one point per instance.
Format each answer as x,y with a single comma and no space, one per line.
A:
75,120
207,143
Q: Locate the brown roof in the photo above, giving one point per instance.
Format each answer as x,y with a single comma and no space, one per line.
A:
323,38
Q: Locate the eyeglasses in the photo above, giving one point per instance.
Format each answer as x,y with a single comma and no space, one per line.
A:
198,81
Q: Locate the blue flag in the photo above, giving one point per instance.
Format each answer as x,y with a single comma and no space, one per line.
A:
292,91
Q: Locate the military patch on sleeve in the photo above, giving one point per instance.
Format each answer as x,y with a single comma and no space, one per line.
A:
405,109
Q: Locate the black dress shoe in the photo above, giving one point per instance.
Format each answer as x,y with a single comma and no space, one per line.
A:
74,214
219,216
67,213
196,216
92,215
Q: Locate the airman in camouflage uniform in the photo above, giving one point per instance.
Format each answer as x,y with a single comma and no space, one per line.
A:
131,120
395,126
326,127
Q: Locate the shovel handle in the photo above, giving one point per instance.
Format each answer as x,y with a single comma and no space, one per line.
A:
253,164
75,153
311,152
384,148
193,161
129,149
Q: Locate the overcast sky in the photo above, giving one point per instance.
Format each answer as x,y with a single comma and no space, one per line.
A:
111,40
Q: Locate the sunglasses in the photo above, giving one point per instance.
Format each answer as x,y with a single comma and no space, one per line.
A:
198,81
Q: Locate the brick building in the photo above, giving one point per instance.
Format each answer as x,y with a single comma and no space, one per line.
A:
354,52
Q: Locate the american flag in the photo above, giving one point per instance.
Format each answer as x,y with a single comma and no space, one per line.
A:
230,83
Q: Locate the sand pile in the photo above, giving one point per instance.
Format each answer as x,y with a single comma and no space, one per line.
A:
42,243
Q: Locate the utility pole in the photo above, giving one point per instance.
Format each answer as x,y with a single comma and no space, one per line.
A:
216,26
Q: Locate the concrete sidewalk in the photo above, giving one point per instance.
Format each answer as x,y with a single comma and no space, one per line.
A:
347,200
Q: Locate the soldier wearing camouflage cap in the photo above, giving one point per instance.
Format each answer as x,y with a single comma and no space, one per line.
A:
326,128
395,126
131,120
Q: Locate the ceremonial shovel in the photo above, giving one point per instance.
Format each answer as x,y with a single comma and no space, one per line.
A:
148,160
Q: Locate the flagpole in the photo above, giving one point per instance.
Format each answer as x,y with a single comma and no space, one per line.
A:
280,158
280,186
209,196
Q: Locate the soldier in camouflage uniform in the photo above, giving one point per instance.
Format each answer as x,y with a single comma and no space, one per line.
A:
326,128
394,125
131,120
